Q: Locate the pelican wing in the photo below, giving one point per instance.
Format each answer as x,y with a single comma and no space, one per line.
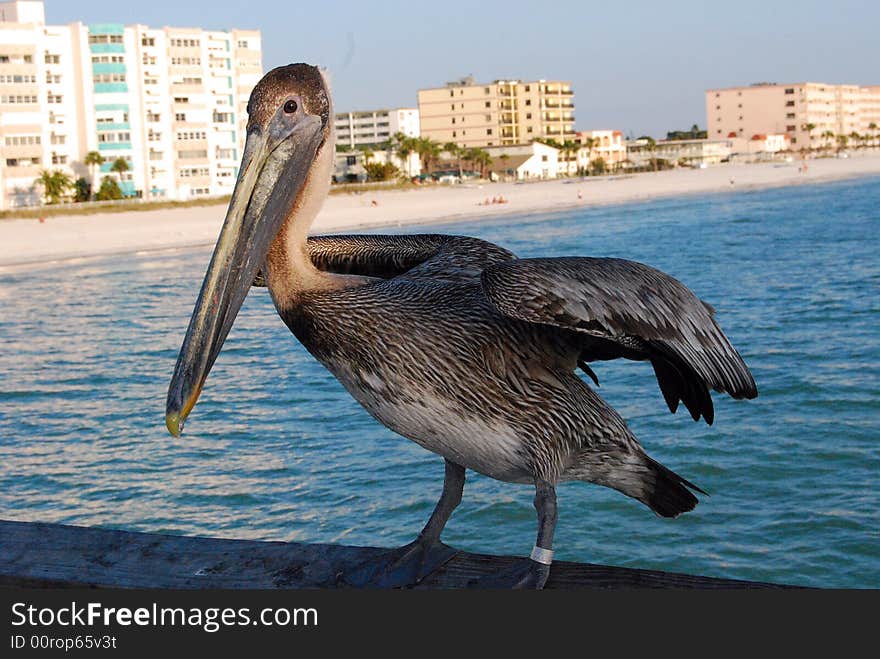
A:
433,256
627,309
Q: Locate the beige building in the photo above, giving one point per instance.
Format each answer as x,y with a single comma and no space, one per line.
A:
608,145
503,112
806,111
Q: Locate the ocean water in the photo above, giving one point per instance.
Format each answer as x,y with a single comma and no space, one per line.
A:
276,449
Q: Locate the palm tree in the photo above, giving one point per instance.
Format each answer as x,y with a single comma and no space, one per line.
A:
841,142
589,143
428,150
809,128
873,128
504,158
93,159
456,152
404,146
119,167
855,138
569,148
828,136
55,185
481,158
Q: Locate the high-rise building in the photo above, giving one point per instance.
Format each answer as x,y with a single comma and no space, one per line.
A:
374,126
170,102
811,114
503,112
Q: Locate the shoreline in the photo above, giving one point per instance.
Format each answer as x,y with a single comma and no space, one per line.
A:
65,240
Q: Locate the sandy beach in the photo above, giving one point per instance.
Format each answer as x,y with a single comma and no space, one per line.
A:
29,242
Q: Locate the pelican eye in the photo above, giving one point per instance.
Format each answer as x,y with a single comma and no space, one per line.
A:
290,106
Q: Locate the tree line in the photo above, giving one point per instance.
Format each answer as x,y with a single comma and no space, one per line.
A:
57,185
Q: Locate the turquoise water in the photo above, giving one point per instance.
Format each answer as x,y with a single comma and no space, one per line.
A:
276,449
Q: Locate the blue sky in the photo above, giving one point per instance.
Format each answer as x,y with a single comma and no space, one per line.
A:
637,66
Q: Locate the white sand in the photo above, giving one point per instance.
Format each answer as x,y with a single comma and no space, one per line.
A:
60,239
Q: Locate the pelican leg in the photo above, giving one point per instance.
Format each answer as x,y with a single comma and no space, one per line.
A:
408,565
533,572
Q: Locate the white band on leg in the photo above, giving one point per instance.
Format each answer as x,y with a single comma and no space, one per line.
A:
541,555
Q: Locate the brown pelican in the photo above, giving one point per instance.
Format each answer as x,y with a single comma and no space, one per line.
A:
451,341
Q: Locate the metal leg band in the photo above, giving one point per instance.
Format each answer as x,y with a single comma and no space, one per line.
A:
541,555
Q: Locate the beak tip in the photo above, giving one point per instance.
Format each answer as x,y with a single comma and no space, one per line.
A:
174,422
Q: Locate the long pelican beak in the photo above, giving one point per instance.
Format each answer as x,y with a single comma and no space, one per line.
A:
274,169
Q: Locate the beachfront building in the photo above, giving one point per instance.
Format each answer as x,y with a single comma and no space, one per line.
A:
524,162
500,113
169,102
373,127
812,114
607,145
680,152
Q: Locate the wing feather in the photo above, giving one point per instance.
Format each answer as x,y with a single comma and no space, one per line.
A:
645,313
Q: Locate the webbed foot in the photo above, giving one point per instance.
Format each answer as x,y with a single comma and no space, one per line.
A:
403,567
523,575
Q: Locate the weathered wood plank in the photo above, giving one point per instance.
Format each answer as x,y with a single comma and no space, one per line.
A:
56,555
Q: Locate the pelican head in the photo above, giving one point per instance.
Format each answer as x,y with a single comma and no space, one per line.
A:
288,124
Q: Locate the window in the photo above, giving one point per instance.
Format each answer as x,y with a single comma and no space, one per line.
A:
52,59
148,41
105,59
528,88
790,90
528,115
529,129
454,134
58,139
181,99
242,43
452,107
28,59
544,158
488,104
789,104
149,60
23,140
192,135
453,120
350,160
451,92
486,89
790,115
54,98
528,101
105,38
59,159
488,131
195,153
185,43
186,61
19,79
791,128
109,77
488,117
